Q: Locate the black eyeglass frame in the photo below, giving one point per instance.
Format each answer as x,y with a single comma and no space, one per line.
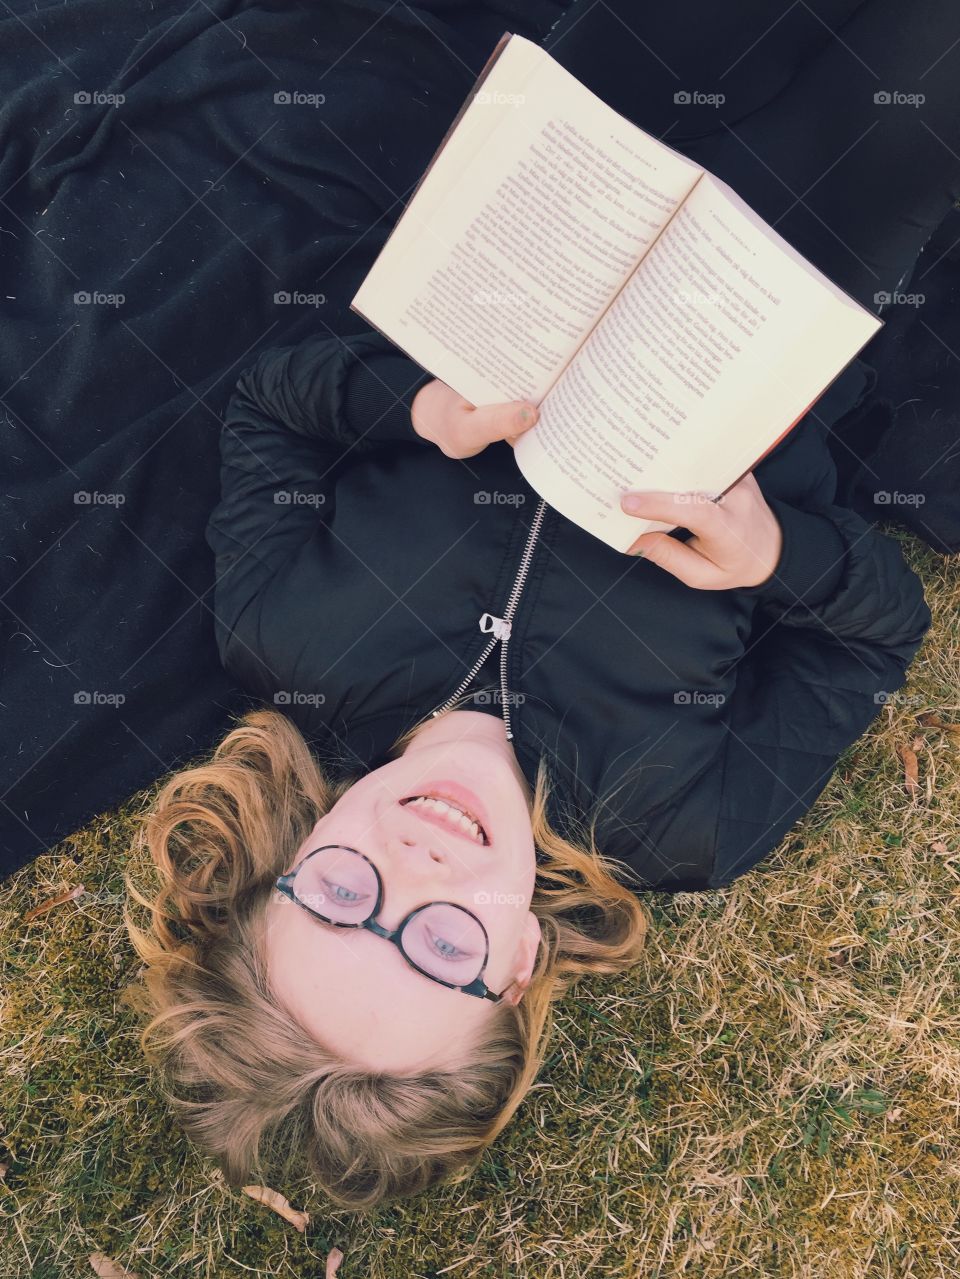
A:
478,987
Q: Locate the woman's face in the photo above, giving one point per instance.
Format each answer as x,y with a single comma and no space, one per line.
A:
354,991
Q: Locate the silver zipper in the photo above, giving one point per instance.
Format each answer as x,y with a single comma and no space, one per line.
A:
501,627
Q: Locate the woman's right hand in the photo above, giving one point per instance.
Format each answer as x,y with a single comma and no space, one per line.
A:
458,428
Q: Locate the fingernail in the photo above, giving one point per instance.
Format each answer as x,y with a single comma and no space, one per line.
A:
632,501
527,415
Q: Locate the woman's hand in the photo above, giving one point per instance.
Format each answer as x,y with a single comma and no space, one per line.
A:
459,429
737,539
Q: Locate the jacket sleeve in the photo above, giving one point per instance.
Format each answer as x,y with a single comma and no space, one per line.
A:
295,415
834,630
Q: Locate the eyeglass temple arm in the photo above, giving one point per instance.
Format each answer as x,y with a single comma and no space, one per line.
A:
479,987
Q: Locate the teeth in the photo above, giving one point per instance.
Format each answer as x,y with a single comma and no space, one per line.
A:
455,815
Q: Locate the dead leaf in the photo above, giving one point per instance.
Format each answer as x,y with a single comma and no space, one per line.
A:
4,1169
930,720
911,771
42,909
273,1199
917,744
334,1257
938,846
107,1268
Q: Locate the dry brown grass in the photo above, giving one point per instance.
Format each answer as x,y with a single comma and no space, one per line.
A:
773,1092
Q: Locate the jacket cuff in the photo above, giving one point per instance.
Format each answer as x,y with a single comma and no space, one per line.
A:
812,559
378,391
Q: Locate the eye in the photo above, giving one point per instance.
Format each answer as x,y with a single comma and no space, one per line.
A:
345,896
445,949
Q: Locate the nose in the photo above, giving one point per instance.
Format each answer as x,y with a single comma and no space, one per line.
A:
414,845
406,844
413,867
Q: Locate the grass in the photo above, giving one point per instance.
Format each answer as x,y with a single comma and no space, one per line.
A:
774,1091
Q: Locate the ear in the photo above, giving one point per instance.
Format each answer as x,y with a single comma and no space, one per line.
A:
526,958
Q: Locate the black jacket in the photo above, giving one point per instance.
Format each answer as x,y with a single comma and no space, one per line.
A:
360,572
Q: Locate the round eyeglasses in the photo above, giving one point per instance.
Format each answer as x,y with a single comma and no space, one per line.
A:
446,942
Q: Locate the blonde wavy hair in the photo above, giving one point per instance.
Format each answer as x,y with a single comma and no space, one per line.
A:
248,1084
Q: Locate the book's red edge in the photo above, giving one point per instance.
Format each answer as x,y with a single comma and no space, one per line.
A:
485,71
799,418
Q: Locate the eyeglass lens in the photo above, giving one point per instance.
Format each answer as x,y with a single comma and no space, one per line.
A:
443,940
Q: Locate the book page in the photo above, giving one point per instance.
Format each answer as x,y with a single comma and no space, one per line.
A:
532,215
720,341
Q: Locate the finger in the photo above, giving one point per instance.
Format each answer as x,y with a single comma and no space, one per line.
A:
694,511
681,560
490,422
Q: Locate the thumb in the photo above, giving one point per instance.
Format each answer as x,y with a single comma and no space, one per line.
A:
491,422
679,559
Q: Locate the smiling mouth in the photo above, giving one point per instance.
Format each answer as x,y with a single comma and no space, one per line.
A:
451,816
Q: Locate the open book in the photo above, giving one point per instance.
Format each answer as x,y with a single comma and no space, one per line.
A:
555,252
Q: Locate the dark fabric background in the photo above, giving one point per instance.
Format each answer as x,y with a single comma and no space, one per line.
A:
197,198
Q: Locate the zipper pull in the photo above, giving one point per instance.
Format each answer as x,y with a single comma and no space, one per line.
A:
499,625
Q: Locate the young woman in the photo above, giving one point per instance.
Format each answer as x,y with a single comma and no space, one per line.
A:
494,728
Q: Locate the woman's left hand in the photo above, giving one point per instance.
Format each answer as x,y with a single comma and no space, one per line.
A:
737,539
